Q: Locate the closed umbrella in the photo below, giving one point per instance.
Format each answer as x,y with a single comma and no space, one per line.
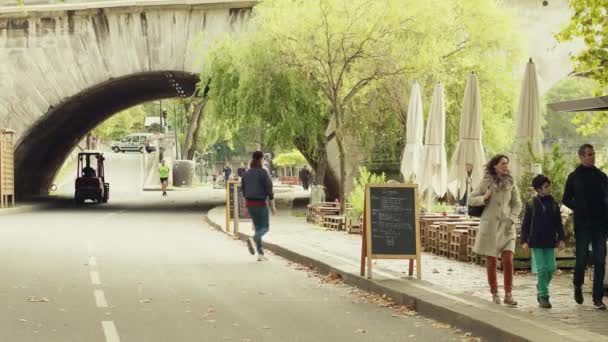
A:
469,158
528,136
410,164
433,173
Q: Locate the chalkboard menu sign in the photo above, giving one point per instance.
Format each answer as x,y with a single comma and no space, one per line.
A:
243,214
391,223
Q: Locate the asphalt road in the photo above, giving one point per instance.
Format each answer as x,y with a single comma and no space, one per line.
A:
146,268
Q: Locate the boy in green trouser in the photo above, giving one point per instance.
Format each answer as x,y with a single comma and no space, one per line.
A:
542,230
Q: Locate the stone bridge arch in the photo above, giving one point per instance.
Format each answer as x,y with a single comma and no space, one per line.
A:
66,68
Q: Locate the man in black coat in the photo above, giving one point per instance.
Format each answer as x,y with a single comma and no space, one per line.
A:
586,193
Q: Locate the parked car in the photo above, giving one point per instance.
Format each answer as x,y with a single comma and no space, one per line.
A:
136,142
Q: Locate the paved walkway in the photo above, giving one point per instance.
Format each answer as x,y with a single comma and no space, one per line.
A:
460,282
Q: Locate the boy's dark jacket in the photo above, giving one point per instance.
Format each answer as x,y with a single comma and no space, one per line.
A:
542,224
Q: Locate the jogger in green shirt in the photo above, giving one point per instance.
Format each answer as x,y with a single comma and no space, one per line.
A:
163,170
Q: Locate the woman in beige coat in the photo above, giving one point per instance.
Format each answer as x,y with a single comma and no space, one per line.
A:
496,235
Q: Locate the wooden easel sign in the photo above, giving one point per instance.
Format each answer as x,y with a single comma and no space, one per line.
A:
391,227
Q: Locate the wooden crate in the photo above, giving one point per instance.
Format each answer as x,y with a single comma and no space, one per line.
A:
433,236
429,219
7,168
443,239
354,225
472,234
334,222
458,244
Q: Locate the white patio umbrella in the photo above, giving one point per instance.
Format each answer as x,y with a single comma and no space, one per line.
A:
433,174
529,135
469,155
410,163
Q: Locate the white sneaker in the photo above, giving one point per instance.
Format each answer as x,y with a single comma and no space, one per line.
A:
262,258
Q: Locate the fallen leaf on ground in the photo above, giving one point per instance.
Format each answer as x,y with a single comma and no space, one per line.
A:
185,300
235,324
22,320
211,309
441,325
450,270
145,301
435,270
265,327
210,321
34,299
360,331
412,336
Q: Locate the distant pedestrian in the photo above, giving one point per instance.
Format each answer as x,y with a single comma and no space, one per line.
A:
496,236
227,172
305,177
164,170
257,190
542,230
241,170
586,193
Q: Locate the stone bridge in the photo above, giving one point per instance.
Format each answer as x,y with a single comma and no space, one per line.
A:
66,68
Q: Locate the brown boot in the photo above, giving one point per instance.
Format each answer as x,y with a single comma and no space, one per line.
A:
495,298
509,300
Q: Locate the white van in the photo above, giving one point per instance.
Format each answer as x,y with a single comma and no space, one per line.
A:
136,142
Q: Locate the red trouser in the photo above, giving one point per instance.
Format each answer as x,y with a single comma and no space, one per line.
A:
507,271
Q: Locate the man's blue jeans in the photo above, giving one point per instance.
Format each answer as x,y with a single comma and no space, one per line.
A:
597,237
261,222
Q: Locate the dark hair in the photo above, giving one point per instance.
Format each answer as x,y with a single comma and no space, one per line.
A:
256,159
493,162
581,150
539,181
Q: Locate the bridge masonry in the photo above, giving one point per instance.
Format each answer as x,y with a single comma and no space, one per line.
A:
53,52
66,68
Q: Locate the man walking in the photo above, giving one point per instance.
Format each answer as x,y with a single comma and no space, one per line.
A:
305,177
586,193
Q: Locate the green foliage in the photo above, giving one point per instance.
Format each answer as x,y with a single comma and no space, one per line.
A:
577,128
357,196
555,165
589,22
121,124
293,158
250,88
469,36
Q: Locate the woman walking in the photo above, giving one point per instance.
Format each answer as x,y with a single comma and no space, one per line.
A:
496,235
257,190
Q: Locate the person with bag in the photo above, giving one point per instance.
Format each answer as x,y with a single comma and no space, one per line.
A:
542,229
499,195
256,186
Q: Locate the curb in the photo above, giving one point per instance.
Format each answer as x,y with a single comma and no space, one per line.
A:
20,209
414,297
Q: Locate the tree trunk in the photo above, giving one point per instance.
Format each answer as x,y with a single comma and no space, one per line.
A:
193,123
338,111
317,159
198,115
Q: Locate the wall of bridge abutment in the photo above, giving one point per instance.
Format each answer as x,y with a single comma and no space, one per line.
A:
66,68
52,53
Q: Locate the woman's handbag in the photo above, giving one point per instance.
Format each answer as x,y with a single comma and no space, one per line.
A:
476,211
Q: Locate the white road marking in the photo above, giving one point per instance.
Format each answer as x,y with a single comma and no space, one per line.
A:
100,299
109,329
95,278
92,261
